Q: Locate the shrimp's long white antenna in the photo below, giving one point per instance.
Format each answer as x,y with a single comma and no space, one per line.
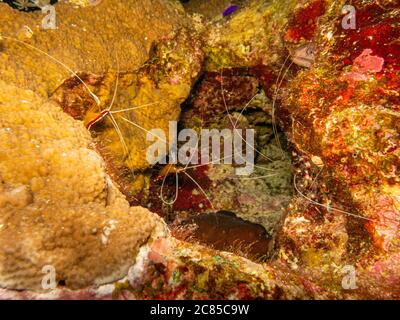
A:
231,121
176,189
241,112
328,207
116,84
217,161
255,178
263,168
96,98
278,83
335,209
135,108
144,129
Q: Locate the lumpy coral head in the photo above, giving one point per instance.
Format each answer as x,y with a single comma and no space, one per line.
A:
58,206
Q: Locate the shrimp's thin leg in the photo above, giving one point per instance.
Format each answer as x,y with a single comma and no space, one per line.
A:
316,177
120,136
176,180
278,84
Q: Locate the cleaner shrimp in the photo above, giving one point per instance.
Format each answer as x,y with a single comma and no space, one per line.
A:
172,169
109,112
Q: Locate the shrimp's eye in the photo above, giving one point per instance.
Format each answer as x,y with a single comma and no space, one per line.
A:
310,50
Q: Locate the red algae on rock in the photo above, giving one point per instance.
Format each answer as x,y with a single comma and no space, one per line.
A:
345,115
303,24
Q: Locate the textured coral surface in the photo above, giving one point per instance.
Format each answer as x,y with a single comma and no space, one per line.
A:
58,206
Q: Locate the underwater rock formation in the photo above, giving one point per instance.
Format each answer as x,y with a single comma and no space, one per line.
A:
58,206
345,124
332,91
135,103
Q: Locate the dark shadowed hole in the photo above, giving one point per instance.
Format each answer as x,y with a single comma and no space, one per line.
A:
246,212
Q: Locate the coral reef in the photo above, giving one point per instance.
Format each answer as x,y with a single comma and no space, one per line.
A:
58,206
91,38
135,102
345,123
328,96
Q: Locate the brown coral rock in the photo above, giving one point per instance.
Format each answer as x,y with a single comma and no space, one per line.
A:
95,36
